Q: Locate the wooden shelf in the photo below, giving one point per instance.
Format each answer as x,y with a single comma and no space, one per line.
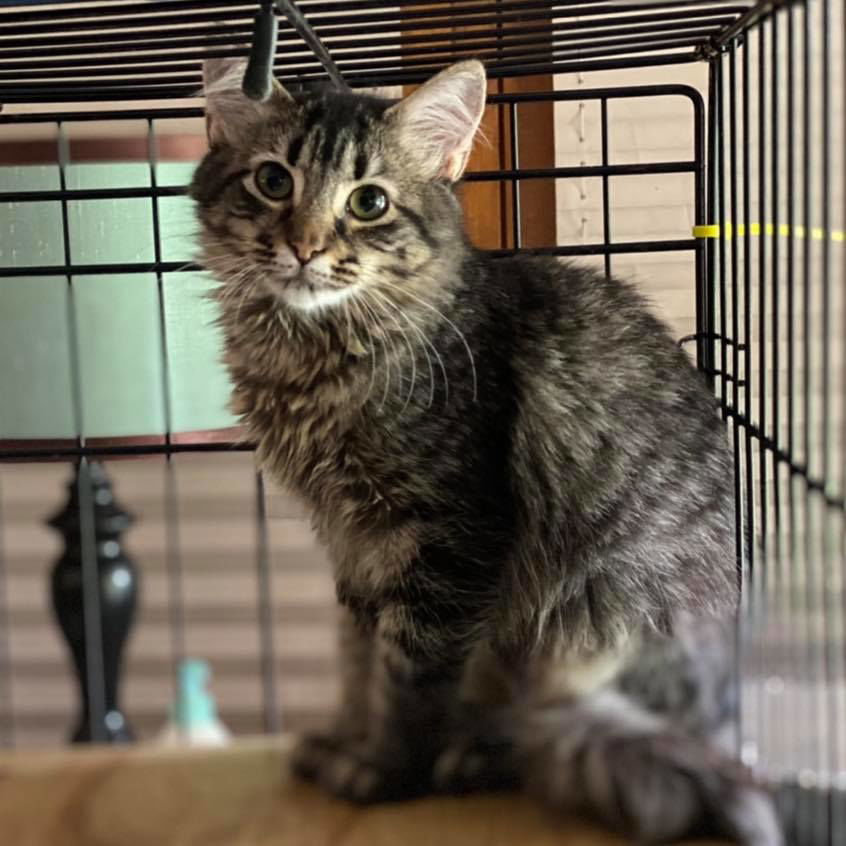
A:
241,796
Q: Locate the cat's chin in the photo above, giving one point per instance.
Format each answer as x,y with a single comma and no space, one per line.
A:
310,298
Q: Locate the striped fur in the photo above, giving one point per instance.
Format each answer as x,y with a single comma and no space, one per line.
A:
523,484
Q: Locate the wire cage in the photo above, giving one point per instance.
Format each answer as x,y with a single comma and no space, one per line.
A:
758,166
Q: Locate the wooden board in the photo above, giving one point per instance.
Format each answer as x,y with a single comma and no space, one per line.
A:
240,796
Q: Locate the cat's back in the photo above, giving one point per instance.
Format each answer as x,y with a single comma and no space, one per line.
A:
581,313
611,408
582,339
620,459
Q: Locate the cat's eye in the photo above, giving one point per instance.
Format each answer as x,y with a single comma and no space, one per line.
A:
368,202
274,181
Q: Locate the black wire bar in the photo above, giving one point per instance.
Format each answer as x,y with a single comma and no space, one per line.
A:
777,162
605,171
170,491
264,579
102,93
76,44
135,50
678,34
7,711
94,679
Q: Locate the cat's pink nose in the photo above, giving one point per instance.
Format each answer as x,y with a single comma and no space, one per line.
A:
305,251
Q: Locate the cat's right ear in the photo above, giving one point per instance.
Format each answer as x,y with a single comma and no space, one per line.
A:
228,110
438,122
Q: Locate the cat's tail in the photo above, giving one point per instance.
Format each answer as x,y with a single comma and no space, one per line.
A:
606,756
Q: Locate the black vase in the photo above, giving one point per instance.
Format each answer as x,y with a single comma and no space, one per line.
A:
95,592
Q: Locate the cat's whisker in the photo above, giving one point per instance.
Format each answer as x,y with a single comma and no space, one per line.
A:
383,339
398,355
353,301
373,289
367,320
182,267
457,331
248,289
348,316
392,359
430,344
426,343
241,283
223,268
234,273
373,307
411,355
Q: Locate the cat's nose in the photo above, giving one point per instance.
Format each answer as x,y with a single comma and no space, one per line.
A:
305,250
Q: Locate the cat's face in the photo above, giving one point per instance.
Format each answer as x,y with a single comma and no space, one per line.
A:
314,201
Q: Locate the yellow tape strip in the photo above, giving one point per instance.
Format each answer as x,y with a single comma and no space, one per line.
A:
715,230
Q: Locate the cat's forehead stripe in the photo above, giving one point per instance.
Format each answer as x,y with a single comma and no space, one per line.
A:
360,164
333,140
340,151
332,125
313,116
294,150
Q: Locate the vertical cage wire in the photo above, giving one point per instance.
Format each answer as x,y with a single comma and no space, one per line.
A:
173,546
839,529
95,679
516,220
95,674
700,217
606,190
174,566
271,716
736,347
722,376
7,712
809,776
780,202
152,157
791,608
706,304
834,651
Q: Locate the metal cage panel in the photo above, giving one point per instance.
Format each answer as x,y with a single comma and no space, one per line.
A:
769,200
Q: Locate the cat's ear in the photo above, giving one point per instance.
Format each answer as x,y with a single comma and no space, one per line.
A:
438,121
228,110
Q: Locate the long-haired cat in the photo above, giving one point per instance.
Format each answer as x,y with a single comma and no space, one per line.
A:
522,482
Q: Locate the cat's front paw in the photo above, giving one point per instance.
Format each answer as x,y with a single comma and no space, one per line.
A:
472,765
349,769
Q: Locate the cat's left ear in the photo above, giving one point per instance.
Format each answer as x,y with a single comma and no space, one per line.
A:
229,112
438,121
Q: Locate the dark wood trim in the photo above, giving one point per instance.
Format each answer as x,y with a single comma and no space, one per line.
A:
230,434
488,206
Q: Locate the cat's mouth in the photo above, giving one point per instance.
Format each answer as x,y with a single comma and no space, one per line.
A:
306,293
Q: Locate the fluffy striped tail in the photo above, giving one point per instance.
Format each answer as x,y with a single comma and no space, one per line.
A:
606,756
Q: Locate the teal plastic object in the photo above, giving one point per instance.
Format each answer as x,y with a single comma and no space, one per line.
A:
195,706
143,350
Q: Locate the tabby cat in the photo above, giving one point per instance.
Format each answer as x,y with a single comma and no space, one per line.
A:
521,481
